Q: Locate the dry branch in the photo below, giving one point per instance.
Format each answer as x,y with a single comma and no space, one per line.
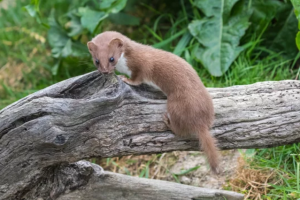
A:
99,116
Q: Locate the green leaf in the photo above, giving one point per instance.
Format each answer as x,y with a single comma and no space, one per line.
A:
183,42
170,39
187,171
75,26
124,19
176,178
112,6
106,4
118,6
34,10
297,13
281,35
263,12
79,50
298,41
57,37
91,18
67,49
219,33
296,5
187,57
31,10
215,8
55,68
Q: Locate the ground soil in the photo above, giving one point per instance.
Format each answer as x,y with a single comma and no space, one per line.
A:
202,176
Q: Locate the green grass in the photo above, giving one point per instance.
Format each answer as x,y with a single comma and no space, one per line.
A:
285,161
244,71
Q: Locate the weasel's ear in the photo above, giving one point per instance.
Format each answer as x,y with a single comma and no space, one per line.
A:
116,42
92,47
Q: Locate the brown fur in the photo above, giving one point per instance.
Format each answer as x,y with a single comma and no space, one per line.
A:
189,106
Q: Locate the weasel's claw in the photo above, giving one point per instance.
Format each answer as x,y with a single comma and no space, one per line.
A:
123,78
167,120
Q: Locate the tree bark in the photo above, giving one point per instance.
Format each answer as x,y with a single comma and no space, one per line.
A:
100,116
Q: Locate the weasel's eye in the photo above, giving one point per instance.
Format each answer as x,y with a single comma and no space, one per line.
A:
97,61
111,59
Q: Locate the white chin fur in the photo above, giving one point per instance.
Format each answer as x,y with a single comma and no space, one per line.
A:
122,67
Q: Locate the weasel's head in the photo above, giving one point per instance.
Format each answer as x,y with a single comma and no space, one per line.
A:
106,54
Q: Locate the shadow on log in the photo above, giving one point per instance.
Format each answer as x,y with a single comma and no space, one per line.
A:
100,116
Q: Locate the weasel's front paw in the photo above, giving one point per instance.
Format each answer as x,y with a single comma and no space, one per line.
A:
123,78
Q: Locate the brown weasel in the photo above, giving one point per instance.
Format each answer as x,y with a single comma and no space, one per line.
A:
189,106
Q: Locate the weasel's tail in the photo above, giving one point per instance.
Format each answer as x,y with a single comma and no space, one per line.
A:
208,145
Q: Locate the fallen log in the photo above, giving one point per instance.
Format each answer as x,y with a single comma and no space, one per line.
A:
84,180
100,116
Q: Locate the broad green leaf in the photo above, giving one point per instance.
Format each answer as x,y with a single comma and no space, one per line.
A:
265,9
75,26
264,12
281,35
296,5
79,50
118,6
219,8
106,4
112,6
91,18
124,19
67,49
57,37
219,34
283,41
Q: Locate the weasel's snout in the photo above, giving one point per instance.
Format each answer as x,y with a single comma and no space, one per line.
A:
107,72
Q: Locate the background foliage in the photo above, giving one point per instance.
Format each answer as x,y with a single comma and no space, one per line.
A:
228,42
211,33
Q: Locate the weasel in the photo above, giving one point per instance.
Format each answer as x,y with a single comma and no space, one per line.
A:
190,108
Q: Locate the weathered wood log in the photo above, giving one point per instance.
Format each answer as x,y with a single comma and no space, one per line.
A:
84,180
100,116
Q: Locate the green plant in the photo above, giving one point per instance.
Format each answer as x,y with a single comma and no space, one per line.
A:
284,161
296,5
219,33
210,34
72,24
